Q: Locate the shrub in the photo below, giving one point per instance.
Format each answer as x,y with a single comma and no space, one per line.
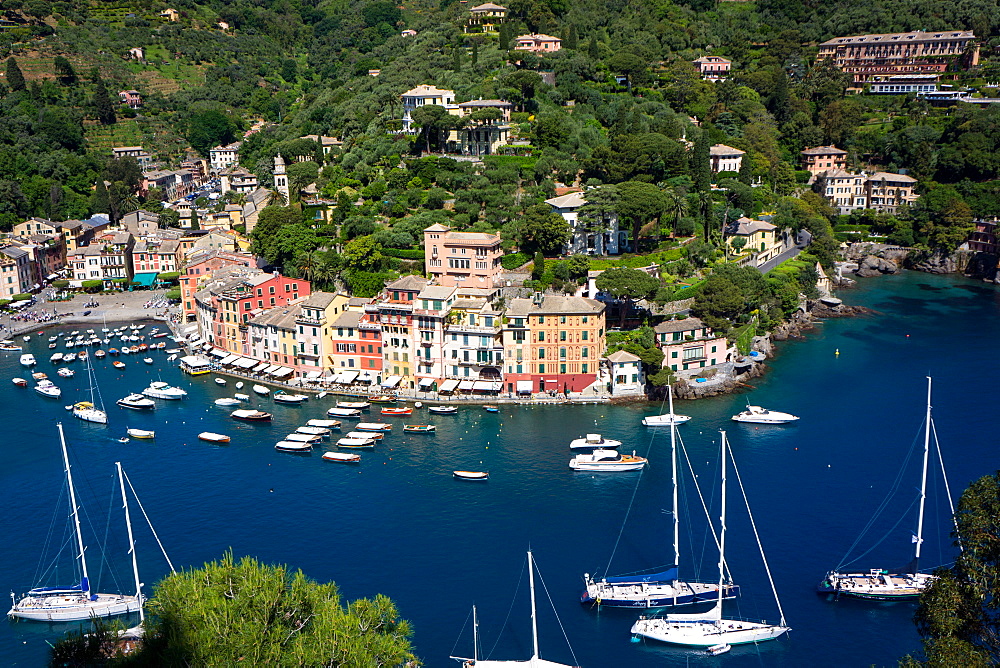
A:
4,302
21,297
404,253
169,277
174,293
92,286
514,260
60,284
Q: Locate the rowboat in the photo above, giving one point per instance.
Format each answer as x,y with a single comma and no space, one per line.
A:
418,428
20,382
397,411
327,424
313,431
365,435
303,438
442,410
356,443
140,433
383,399
342,457
261,390
490,408
343,412
357,405
220,381
245,414
212,437
292,446
472,475
118,364
373,426
286,398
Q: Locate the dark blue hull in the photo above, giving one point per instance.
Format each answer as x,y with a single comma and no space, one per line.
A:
731,591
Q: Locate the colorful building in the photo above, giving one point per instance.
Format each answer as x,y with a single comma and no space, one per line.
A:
690,344
470,259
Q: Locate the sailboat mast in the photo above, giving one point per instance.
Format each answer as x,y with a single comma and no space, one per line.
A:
923,479
131,542
722,529
85,580
475,635
534,621
673,464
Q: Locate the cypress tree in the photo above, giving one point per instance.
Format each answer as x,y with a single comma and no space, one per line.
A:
701,166
573,40
15,79
746,170
194,219
504,36
456,60
475,53
592,49
538,266
102,201
102,103
64,71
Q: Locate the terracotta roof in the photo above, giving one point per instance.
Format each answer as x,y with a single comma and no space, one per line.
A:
824,150
555,304
722,149
622,356
889,176
900,37
685,325
408,283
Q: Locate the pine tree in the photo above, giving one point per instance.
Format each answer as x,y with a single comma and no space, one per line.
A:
101,202
456,60
592,50
573,40
15,79
194,219
504,36
64,71
475,53
102,103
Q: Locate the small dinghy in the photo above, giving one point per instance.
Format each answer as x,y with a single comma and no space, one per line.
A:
356,443
239,385
342,457
471,475
326,424
365,435
293,446
418,428
254,416
147,360
242,397
220,381
227,401
20,382
286,398
118,364
212,437
442,410
261,390
140,433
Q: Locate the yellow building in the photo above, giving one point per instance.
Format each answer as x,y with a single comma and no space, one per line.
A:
754,241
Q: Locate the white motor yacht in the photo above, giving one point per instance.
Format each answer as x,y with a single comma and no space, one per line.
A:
161,390
27,359
591,441
47,388
56,357
606,460
758,415
665,420
136,402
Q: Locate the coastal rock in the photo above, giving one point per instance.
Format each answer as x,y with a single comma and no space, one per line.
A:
818,309
684,389
937,262
873,265
762,344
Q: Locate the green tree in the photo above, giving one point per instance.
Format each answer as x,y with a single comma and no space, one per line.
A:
538,266
15,78
593,50
542,230
64,71
246,612
103,106
957,615
639,204
701,166
270,223
429,118
363,254
210,128
628,285
300,175
573,39
195,225
718,303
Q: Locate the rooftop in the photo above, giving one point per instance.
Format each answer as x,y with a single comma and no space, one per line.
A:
555,304
722,149
747,226
891,38
568,201
408,284
621,356
824,150
685,325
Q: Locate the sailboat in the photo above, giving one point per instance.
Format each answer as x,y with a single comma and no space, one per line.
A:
89,410
535,661
655,590
70,604
879,584
709,629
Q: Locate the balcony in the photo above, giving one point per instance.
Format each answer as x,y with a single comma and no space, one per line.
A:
472,329
370,326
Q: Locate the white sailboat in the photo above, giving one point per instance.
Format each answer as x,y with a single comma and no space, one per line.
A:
879,584
655,590
70,604
710,628
535,661
93,410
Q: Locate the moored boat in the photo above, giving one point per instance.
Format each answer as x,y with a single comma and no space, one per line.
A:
10,347
606,460
261,390
471,475
355,405
87,412
220,381
293,446
28,359
118,365
356,443
442,410
327,424
343,412
314,431
100,354
141,433
342,457
20,382
376,435
47,388
758,415
212,437
227,401
161,390
490,408
303,438
397,411
56,357
136,402
241,397
383,399
286,398
665,420
418,428
251,415
373,426
66,373
591,441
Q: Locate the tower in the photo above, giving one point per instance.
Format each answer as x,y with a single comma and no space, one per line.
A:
281,178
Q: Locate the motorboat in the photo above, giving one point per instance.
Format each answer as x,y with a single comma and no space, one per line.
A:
591,441
418,428
665,420
327,424
118,365
227,401
86,411
251,415
303,438
141,433
100,354
239,385
383,399
442,410
606,460
471,475
343,412
342,457
161,390
51,346
137,402
147,360
242,397
63,372
373,426
220,381
10,347
356,405
28,359
286,398
25,338
293,446
314,431
56,358
490,408
758,415
69,357
356,443
397,411
39,375
82,355
261,390
376,435
212,437
47,388
20,382
112,351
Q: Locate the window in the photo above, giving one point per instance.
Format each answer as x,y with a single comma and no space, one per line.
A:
562,319
562,368
541,336
562,334
541,368
586,352
585,367
541,320
541,353
271,290
673,355
562,353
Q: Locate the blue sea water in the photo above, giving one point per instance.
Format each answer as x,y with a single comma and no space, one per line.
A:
401,525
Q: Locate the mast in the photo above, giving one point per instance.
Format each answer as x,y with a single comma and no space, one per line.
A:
131,543
475,635
534,621
85,579
722,531
923,479
673,464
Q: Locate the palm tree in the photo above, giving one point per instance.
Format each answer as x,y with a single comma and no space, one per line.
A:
274,198
324,273
677,206
307,264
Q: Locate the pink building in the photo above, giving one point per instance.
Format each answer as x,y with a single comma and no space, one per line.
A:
467,259
713,68
132,98
538,43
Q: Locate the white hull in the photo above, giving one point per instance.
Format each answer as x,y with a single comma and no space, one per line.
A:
758,415
605,467
707,633
665,420
91,415
157,394
72,608
592,441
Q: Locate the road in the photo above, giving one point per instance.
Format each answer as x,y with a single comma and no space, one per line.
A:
802,242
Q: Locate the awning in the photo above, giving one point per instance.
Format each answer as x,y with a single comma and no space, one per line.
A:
524,387
313,375
145,278
365,377
448,386
194,361
245,362
189,329
282,371
220,353
260,367
347,377
426,382
269,368
207,346
487,386
51,277
229,359
391,381
194,338
465,385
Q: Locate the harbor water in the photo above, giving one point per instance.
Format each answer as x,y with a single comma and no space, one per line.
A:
401,525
